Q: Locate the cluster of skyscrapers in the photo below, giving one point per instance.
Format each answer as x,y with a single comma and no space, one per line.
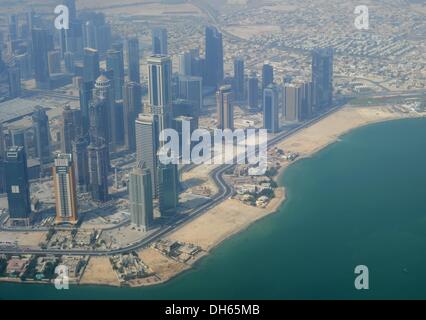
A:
112,117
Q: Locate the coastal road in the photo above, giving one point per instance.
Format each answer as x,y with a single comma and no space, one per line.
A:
225,191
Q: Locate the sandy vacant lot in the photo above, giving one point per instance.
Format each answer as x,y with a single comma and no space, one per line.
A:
136,8
224,220
24,239
164,267
99,271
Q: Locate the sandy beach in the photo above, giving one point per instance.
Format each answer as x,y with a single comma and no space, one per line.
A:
232,216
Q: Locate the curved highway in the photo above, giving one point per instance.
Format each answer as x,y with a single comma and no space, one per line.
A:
225,191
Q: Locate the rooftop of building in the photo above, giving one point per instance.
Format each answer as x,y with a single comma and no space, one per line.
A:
15,109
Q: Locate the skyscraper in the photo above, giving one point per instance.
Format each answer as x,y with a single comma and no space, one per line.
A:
225,109
191,90
140,197
81,163
293,99
307,102
69,58
18,189
13,27
98,115
267,75
96,31
71,128
65,189
159,41
270,108
185,63
239,79
167,189
214,58
132,104
98,170
41,135
23,61
91,65
104,93
40,42
147,146
54,61
160,89
85,93
253,92
322,77
2,173
133,59
115,62
14,74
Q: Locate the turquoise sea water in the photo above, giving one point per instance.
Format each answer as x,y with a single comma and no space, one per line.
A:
359,201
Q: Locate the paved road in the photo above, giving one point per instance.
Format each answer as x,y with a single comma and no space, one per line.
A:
225,191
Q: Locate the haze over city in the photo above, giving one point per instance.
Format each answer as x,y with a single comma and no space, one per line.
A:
243,90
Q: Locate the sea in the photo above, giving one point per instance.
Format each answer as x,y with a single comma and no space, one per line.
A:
359,202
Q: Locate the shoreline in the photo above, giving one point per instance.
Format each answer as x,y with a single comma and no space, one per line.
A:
167,269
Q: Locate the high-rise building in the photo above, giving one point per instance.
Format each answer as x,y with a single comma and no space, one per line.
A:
91,65
140,197
23,61
270,108
13,27
14,75
293,101
98,115
85,93
178,125
322,77
98,170
2,154
307,102
147,145
185,63
214,70
65,189
132,104
54,61
191,89
239,79
159,41
225,109
104,92
167,189
71,128
81,163
96,31
267,75
41,135
133,59
41,46
253,92
17,185
69,58
160,89
115,62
